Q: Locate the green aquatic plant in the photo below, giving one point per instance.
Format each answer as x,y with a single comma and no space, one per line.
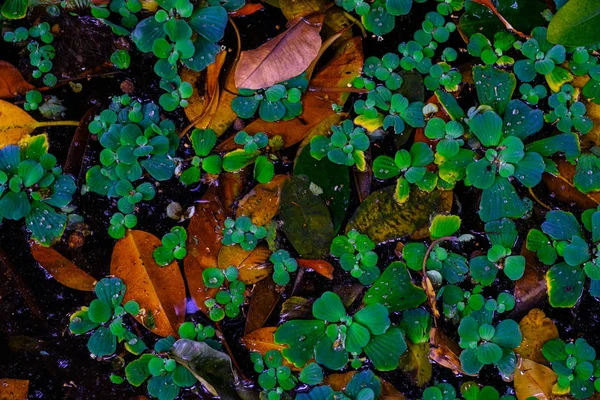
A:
567,113
346,145
458,303
334,335
227,302
33,188
203,142
283,265
254,151
356,255
542,57
243,232
172,247
363,385
121,58
105,317
492,53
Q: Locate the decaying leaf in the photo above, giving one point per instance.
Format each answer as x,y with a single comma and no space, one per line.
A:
195,282
537,329
62,269
231,186
445,351
253,265
261,204
261,340
285,56
13,389
533,380
158,290
265,297
12,82
295,8
416,363
531,288
321,267
339,381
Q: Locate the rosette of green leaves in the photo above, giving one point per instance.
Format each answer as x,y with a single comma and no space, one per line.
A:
576,366
264,169
416,324
215,277
131,196
199,333
334,335
480,46
33,99
104,317
379,17
243,232
486,344
363,385
416,56
502,235
33,187
119,223
275,103
450,136
283,265
441,391
382,108
356,255
411,169
442,264
346,146
458,303
384,70
472,391
542,57
120,59
442,74
41,58
447,7
568,113
125,8
203,141
172,247
434,28
533,94
227,302
562,237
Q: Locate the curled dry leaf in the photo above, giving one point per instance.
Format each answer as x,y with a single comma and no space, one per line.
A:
533,380
265,297
13,389
531,288
445,351
338,382
537,329
12,82
158,290
285,56
564,190
261,204
321,267
253,265
62,269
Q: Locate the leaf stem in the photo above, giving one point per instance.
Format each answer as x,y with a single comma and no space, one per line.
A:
56,123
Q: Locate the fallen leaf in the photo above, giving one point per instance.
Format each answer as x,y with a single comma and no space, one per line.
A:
284,57
531,288
158,290
78,143
533,380
13,389
261,340
231,187
445,351
62,269
198,290
321,267
416,363
261,204
363,179
382,218
296,8
265,297
12,82
564,190
253,265
296,307
338,382
537,329
247,9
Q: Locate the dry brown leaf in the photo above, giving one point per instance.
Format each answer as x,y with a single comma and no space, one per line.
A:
339,381
158,290
537,329
265,297
531,288
445,351
12,82
321,267
415,362
13,389
78,143
253,265
62,269
533,380
231,187
284,57
564,190
363,179
262,203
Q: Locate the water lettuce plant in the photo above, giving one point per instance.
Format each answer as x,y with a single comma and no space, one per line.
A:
203,142
356,255
243,232
252,152
346,145
363,385
173,247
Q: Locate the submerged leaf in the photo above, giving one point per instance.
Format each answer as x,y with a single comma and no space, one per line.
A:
62,269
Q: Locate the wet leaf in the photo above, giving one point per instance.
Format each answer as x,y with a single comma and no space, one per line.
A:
253,265
265,297
62,269
363,179
332,179
305,217
261,340
12,82
296,307
295,8
247,9
211,367
382,218
13,389
564,190
395,289
339,381
261,204
416,363
158,290
321,267
577,23
533,380
445,351
284,57
530,289
537,329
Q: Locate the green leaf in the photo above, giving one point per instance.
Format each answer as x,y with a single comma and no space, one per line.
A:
45,224
577,23
330,356
146,32
182,377
470,362
554,350
374,317
508,334
306,219
14,9
489,353
395,290
312,374
99,311
209,22
444,225
264,170
385,350
102,342
329,307
384,167
501,201
137,371
237,159
301,336
110,291
495,87
561,225
565,285
483,270
203,141
80,322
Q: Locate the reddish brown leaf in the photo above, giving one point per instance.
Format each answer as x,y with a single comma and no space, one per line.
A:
531,287
13,389
12,82
61,269
246,10
231,186
198,290
321,267
284,57
158,290
265,297
79,143
564,190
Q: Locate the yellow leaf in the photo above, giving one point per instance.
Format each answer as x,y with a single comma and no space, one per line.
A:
253,265
558,77
416,363
370,124
537,329
262,203
533,380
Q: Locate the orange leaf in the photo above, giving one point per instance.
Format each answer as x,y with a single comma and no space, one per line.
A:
284,57
262,203
537,329
319,266
231,186
261,340
12,82
61,269
158,290
533,380
13,389
265,297
252,265
248,9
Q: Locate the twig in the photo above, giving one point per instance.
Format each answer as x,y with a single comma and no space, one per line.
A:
356,21
337,89
541,203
